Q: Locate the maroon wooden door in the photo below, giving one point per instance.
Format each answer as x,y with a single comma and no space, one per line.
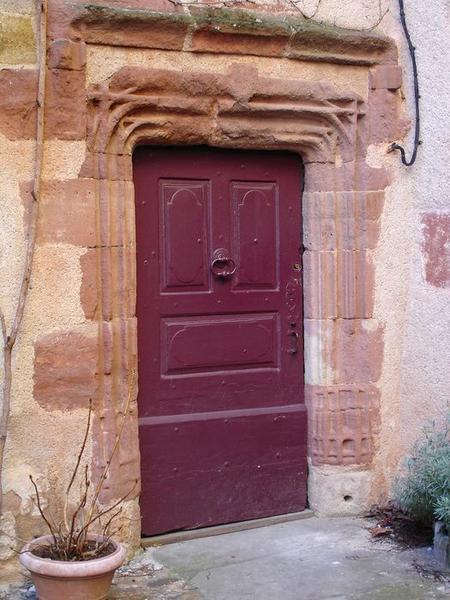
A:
222,422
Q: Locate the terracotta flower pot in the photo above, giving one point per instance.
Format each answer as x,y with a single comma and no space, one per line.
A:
77,580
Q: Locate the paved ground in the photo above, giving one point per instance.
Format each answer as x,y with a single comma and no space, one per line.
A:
311,559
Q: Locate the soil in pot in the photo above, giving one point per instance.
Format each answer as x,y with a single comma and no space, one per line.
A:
89,548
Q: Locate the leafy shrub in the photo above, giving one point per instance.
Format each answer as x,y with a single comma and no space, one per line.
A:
423,490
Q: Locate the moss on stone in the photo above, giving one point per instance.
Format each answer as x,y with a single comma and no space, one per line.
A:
92,13
298,28
242,21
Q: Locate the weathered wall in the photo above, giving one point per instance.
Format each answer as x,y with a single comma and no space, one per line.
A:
413,291
403,347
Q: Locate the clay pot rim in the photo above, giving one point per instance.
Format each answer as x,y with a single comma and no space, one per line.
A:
71,569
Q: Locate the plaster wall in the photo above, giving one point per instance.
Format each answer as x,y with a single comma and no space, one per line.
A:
413,312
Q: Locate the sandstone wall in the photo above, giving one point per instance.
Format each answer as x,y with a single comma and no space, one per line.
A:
392,379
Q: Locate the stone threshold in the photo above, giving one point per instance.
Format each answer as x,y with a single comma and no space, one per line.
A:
193,534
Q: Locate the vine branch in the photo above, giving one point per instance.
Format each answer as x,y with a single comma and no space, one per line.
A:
9,338
381,15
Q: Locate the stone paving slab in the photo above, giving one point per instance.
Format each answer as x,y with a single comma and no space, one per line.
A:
313,559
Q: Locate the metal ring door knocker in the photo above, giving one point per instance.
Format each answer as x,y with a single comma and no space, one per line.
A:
222,265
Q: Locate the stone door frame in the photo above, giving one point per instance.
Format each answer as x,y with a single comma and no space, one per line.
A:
331,131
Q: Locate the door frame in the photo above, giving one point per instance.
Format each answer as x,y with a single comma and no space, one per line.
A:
328,127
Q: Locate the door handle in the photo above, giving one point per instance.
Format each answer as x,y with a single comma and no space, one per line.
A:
222,265
294,342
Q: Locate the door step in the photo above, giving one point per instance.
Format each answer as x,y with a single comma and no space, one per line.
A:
193,534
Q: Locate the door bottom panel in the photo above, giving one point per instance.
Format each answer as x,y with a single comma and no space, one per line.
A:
249,464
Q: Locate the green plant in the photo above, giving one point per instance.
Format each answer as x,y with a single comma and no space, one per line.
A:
442,510
423,490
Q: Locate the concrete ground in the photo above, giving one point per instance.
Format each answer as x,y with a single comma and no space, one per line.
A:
310,559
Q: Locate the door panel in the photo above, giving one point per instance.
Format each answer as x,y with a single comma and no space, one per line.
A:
206,344
184,240
222,422
255,240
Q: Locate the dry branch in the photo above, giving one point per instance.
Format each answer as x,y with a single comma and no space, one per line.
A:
72,538
9,339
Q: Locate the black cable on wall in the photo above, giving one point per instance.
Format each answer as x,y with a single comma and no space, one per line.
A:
412,52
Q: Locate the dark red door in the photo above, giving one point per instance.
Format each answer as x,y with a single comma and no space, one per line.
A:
222,421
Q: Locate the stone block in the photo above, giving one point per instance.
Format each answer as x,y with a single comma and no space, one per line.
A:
436,249
18,97
343,351
343,423
386,77
238,32
67,213
341,220
384,124
352,176
113,167
17,39
117,212
131,28
115,268
89,284
119,349
59,18
65,369
229,43
338,285
65,105
319,285
331,44
333,493
65,54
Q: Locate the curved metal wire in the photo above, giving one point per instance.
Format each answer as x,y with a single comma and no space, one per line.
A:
412,52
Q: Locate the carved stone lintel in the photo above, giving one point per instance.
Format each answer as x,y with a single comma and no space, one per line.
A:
312,119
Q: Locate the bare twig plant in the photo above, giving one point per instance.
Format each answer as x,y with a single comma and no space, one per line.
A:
71,537
381,14
10,337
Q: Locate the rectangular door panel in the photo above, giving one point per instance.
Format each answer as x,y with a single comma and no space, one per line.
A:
219,342
255,240
185,211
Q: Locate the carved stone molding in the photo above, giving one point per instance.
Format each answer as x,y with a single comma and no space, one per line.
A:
141,104
344,422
